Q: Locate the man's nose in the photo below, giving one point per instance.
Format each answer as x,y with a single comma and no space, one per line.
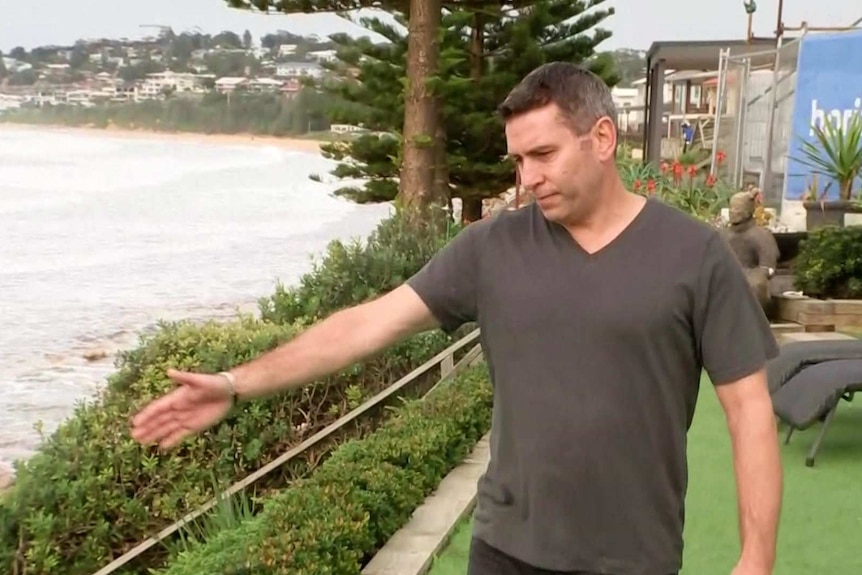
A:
530,175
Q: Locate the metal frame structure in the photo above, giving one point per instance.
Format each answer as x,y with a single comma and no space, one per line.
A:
684,55
784,63
741,68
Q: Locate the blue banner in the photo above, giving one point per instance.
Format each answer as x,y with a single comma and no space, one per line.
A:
828,89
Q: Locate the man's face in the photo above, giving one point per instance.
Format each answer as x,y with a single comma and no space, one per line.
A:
563,171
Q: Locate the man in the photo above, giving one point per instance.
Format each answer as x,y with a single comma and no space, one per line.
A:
598,310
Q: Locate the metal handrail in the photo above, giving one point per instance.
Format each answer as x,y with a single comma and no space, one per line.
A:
448,370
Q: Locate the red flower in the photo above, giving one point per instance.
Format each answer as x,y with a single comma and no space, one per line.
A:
710,180
720,156
637,185
692,170
664,167
650,186
677,171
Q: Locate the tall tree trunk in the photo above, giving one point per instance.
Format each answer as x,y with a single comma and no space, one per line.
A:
471,209
472,206
441,160
477,46
417,188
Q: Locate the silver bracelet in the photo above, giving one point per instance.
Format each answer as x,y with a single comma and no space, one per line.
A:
231,384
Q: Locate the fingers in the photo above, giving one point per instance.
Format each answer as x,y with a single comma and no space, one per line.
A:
156,427
157,408
176,435
154,410
162,420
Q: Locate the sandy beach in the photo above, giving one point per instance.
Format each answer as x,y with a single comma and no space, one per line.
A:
295,144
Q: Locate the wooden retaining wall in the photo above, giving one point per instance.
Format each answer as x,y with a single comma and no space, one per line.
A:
820,315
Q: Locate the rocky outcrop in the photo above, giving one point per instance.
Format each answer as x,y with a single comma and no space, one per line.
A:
95,354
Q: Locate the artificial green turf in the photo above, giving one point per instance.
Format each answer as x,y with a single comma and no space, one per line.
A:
821,523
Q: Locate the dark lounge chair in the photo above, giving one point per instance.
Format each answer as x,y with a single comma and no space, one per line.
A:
808,380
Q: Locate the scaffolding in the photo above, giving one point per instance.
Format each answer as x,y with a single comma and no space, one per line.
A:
753,118
754,114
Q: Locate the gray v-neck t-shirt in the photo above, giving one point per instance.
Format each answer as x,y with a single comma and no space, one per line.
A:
595,360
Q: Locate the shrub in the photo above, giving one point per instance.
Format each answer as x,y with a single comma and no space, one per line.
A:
829,264
91,493
355,272
333,521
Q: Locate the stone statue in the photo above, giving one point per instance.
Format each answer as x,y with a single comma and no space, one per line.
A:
755,246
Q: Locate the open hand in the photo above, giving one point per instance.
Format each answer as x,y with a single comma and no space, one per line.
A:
199,402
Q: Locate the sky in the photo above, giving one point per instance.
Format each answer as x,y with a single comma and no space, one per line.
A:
636,24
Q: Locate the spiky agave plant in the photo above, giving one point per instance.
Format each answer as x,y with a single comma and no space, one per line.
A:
836,152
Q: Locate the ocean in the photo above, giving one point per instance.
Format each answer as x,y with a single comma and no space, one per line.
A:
102,236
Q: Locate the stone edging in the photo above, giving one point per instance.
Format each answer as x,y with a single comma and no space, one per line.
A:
413,548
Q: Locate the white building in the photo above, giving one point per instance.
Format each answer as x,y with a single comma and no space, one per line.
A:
323,55
10,102
298,70
230,84
157,83
630,111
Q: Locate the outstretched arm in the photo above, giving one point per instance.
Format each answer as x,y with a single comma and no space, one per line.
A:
337,342
757,466
201,400
441,295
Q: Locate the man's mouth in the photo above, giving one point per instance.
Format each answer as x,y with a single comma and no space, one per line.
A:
546,196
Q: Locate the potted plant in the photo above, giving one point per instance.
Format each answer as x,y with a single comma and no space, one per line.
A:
836,154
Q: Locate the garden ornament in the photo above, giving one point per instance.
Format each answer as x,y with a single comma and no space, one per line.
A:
754,245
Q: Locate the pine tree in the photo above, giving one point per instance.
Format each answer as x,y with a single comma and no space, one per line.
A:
420,122
482,56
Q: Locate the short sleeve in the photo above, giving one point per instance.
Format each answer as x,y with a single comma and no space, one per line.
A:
733,333
447,283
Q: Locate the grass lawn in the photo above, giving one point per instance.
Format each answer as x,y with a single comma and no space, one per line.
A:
821,518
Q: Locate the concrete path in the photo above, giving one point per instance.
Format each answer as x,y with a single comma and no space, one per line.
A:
413,547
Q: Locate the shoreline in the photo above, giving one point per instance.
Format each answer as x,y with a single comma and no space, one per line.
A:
287,143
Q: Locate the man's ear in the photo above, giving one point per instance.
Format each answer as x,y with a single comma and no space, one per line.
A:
605,139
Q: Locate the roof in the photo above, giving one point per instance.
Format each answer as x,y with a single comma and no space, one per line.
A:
230,81
704,54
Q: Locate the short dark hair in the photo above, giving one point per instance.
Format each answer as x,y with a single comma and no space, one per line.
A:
581,95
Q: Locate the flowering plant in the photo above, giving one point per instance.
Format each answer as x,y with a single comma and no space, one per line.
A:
687,188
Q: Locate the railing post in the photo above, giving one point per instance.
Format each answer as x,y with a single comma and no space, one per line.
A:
447,365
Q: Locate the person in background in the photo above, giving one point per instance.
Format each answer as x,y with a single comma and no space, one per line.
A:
687,135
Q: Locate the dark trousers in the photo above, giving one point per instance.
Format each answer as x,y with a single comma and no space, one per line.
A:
486,560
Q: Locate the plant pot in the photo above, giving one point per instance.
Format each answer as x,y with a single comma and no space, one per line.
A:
831,213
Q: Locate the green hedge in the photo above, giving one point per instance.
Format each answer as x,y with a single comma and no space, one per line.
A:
91,493
829,264
355,272
332,522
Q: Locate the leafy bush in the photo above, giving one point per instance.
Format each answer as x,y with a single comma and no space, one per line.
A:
91,493
354,272
829,264
333,521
